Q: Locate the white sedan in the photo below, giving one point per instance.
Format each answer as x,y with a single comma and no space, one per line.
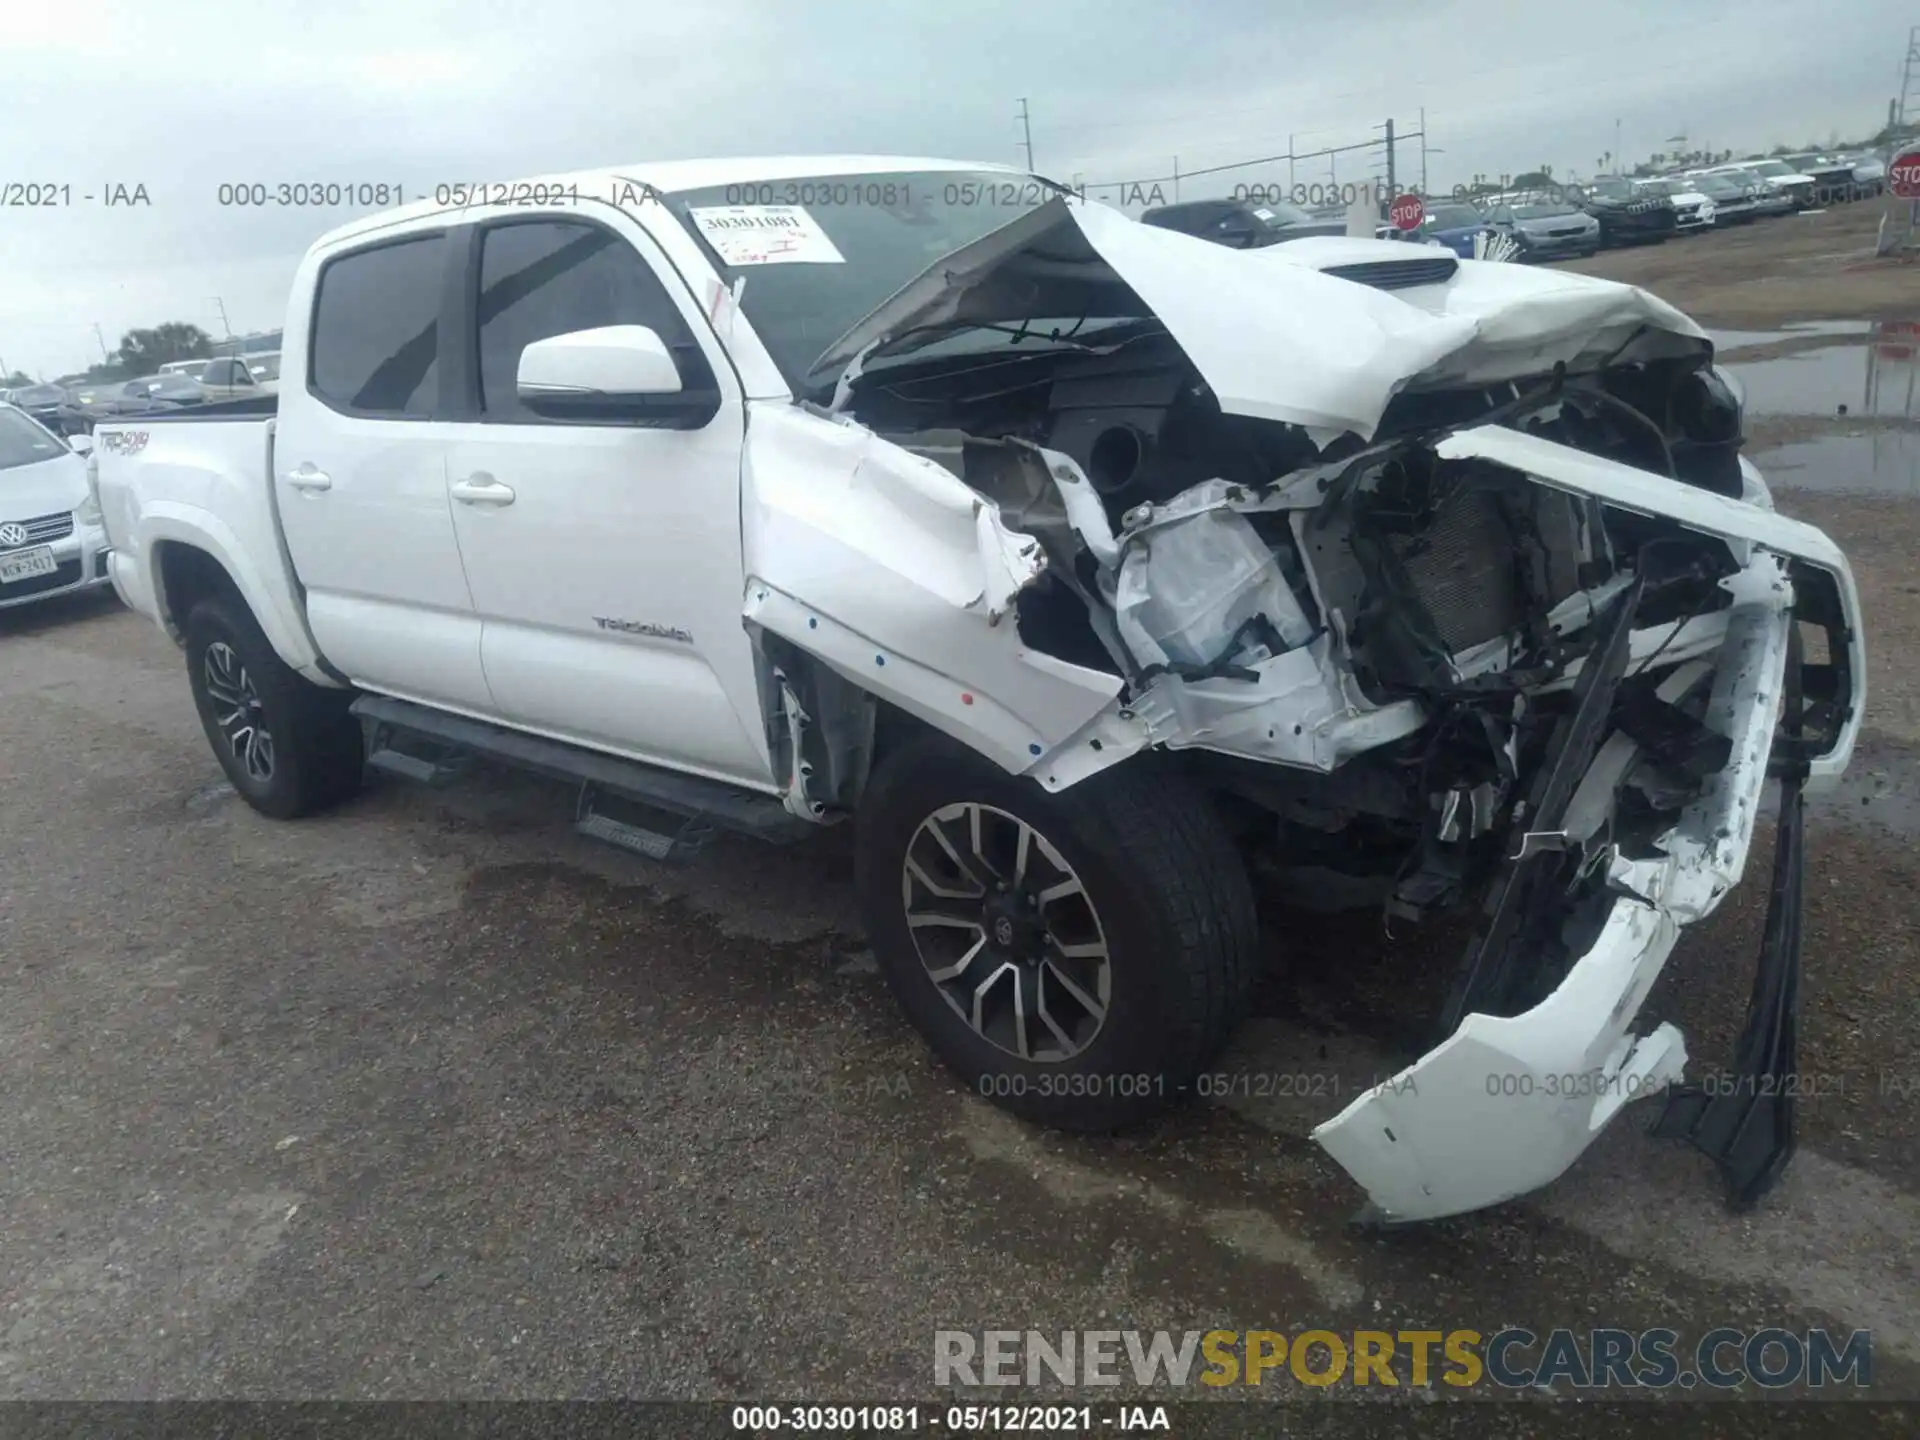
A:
51,539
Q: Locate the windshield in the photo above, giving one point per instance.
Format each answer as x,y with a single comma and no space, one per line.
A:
1275,213
267,367
163,385
1772,167
819,254
22,442
40,395
1457,217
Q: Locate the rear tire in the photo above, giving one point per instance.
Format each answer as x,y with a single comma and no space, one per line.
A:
1141,870
289,747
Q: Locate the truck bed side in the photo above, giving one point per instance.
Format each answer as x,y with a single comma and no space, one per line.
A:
181,497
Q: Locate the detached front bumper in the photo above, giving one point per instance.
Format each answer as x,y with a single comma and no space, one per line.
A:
1505,1104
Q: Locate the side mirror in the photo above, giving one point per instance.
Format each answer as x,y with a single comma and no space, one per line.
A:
80,444
612,374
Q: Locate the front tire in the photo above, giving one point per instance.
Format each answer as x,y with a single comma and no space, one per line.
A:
289,747
1077,958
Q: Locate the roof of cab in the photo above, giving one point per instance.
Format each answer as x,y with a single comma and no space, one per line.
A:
671,176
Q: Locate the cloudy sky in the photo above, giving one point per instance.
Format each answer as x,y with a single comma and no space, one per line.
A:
184,95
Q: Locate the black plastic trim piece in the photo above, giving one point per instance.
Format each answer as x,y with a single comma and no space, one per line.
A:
1488,974
746,811
1744,1122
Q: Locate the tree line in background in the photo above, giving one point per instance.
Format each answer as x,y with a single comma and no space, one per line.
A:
140,352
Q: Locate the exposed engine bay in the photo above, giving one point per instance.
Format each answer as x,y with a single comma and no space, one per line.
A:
1458,596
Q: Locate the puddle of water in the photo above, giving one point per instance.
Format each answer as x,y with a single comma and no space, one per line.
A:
1798,330
1883,462
1880,379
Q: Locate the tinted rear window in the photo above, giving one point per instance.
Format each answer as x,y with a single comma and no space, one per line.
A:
376,333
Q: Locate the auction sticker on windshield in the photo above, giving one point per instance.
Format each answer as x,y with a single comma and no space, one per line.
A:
765,235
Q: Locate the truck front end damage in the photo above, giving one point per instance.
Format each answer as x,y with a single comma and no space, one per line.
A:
1469,610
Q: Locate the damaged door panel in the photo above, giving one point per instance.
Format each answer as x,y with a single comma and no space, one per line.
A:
884,566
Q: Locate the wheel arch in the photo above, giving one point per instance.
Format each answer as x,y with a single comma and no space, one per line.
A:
190,554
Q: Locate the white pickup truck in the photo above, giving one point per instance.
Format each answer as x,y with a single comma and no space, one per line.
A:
1091,569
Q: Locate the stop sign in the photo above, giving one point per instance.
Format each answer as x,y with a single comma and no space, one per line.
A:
1408,211
1903,175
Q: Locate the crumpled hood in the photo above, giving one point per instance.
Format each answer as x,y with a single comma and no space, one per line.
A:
1272,336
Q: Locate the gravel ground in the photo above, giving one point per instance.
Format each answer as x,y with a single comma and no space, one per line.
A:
429,1098
1775,271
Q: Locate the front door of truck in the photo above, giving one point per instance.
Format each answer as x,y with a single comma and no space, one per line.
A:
604,558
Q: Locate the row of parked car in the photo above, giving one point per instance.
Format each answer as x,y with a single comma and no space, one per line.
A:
73,408
1570,221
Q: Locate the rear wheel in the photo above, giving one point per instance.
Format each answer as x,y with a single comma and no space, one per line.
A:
1076,958
290,747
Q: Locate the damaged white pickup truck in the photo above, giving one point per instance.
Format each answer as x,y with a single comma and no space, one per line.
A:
1090,568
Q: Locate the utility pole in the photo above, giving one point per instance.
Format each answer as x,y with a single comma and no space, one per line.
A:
1176,179
1391,188
1910,80
223,318
1026,129
105,359
1289,166
1423,150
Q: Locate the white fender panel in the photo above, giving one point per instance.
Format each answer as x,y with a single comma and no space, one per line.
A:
900,577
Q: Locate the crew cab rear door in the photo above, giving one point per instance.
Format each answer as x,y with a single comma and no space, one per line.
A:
360,469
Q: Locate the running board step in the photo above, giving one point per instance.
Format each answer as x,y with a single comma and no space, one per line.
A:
437,766
613,819
451,738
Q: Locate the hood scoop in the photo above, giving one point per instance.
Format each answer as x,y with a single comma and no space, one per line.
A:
1398,274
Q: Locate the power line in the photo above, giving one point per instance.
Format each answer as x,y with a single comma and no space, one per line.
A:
1910,79
1290,157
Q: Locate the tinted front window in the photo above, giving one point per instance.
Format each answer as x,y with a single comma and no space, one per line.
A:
1279,212
1456,217
173,387
40,395
22,442
1542,212
553,277
376,332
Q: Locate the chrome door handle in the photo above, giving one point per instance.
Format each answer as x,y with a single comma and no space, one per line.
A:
308,478
482,489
